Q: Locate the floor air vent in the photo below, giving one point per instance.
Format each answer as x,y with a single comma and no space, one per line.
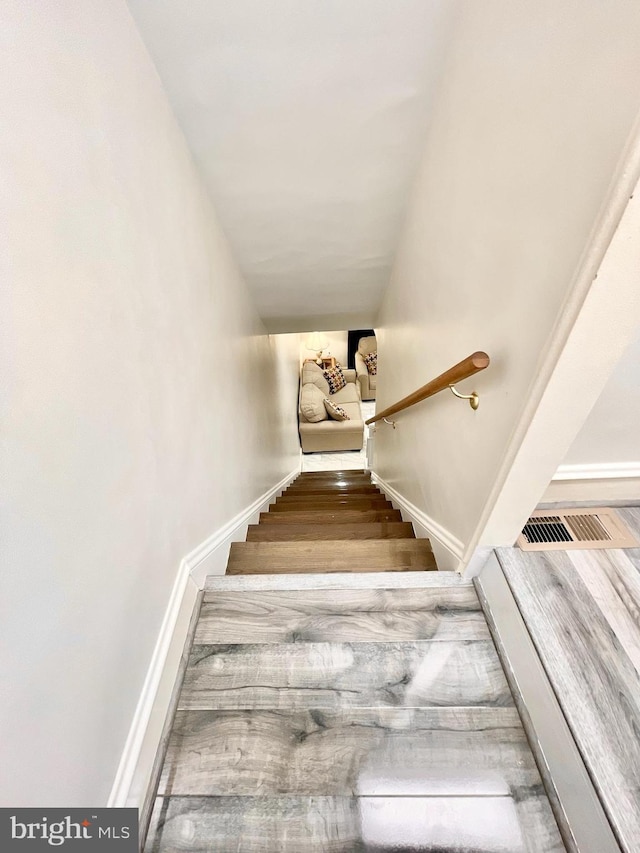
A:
562,529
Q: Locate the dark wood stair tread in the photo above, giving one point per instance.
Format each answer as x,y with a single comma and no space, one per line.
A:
336,475
338,497
367,555
333,531
367,489
330,503
324,516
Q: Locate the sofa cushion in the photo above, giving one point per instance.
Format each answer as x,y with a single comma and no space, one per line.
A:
371,360
312,403
335,412
335,378
313,374
349,394
372,382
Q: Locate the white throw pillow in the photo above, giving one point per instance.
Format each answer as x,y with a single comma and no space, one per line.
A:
312,404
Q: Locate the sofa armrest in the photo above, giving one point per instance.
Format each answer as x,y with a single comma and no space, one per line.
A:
349,374
361,367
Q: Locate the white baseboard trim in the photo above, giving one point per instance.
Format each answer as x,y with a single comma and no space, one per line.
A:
598,490
600,471
136,762
605,482
426,527
210,557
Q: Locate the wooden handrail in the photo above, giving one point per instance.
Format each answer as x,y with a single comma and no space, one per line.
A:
472,364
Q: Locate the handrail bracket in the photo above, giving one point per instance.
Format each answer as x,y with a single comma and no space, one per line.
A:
474,400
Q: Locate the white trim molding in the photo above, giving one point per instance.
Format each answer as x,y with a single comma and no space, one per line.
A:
605,482
598,471
135,770
449,555
138,755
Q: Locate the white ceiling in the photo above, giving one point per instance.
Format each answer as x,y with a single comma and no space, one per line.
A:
307,119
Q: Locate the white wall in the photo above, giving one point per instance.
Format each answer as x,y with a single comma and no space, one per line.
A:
603,462
533,113
611,433
140,411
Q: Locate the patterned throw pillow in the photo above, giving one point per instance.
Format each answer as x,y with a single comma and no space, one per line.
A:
335,412
371,360
335,378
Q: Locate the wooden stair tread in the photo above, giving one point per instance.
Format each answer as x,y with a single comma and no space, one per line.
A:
338,475
364,503
367,489
333,531
336,497
331,556
324,516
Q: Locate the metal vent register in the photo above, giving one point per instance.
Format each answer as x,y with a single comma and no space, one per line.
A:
562,529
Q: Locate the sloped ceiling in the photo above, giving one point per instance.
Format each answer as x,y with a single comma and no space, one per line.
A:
307,119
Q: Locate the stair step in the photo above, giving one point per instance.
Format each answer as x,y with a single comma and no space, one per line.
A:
344,482
337,497
337,475
330,615
341,516
367,489
297,504
383,555
310,531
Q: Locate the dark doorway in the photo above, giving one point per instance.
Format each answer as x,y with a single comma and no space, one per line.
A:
352,344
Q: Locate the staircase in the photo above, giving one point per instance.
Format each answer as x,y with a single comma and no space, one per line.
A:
341,695
333,521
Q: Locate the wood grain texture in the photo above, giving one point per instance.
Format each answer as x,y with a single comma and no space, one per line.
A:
342,616
597,684
371,627
334,504
614,584
631,517
331,556
442,591
344,675
333,475
344,497
292,532
326,489
289,824
328,516
371,752
335,581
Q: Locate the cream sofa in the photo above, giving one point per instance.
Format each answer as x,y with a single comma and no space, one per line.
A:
366,380
318,431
